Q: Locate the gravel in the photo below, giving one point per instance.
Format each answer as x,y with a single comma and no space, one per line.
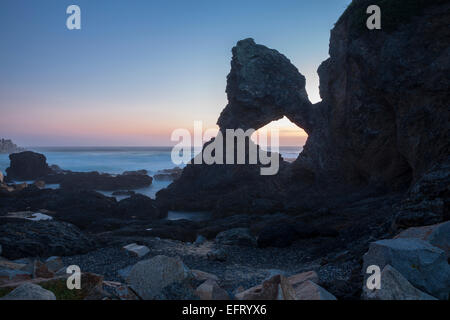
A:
244,266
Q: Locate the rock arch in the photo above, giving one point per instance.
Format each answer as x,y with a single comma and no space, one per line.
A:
263,86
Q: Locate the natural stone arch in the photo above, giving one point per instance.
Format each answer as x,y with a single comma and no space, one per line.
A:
264,86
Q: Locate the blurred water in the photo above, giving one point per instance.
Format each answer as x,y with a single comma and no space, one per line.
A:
117,160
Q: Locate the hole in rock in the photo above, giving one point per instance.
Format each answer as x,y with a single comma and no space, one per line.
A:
291,138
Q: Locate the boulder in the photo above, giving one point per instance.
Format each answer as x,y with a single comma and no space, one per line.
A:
236,237
100,181
203,276
150,277
437,235
137,250
27,165
91,286
88,210
29,291
124,272
275,288
285,289
423,265
210,290
168,174
24,238
308,290
140,206
119,290
394,287
56,169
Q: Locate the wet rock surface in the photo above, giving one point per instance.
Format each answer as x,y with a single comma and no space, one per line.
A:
422,264
30,165
101,181
88,210
22,238
395,287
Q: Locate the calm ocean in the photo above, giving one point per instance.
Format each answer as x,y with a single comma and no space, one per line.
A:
118,160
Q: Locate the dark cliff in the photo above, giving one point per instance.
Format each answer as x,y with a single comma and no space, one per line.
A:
382,125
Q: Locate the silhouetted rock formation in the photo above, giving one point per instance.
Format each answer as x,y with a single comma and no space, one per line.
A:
27,165
23,238
382,124
263,86
101,181
30,165
83,208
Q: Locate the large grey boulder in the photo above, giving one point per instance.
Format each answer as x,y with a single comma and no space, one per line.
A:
276,288
236,236
422,264
437,235
150,278
394,287
137,250
29,291
308,290
210,290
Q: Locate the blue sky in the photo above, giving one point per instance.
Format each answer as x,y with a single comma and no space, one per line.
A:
139,69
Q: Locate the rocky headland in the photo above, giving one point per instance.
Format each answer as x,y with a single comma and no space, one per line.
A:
7,146
371,187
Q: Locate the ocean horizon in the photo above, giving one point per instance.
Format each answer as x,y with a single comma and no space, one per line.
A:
117,159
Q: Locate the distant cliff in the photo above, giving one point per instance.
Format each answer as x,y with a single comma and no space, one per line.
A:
7,146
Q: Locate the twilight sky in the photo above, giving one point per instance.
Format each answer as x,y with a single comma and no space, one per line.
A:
138,69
